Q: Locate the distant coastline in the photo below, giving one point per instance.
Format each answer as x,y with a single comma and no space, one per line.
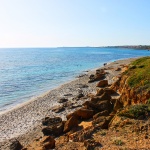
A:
140,47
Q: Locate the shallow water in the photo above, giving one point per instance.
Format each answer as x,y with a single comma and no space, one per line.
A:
28,72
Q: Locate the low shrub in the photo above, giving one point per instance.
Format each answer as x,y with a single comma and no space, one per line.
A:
136,111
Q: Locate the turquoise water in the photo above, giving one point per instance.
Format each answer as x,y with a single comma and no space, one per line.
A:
28,72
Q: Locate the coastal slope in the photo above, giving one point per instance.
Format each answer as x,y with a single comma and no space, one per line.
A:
94,104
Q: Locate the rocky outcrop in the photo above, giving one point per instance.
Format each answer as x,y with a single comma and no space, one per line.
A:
128,95
84,113
54,126
54,130
70,123
100,74
102,83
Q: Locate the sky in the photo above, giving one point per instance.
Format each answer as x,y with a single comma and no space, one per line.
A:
57,23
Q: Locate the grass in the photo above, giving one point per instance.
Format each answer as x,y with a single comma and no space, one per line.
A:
139,73
118,142
135,111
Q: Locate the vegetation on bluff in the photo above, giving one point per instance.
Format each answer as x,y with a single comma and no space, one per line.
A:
139,73
136,111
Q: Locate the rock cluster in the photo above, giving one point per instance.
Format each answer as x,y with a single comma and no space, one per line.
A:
97,110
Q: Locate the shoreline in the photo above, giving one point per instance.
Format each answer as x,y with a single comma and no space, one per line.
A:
25,120
33,98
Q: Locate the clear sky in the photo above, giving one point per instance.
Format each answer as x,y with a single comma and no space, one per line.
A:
54,23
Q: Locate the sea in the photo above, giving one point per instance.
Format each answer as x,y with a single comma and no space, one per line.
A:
26,73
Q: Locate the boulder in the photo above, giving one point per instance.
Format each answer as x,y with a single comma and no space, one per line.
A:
53,130
84,113
48,142
15,145
102,83
103,113
104,96
80,95
101,122
100,73
100,91
89,105
105,105
70,123
99,76
99,106
68,116
91,78
58,109
62,100
109,91
47,121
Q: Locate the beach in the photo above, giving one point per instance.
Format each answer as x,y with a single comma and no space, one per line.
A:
24,121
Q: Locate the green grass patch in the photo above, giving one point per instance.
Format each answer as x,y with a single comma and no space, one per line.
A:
139,73
118,142
136,111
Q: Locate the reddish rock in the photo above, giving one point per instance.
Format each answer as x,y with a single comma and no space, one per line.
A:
90,105
99,92
109,91
85,113
99,76
101,122
71,123
104,96
71,115
100,73
54,130
102,83
105,105
48,142
103,113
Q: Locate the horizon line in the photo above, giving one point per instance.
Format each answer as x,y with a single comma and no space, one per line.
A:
75,46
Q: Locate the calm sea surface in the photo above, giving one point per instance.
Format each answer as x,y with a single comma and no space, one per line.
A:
28,72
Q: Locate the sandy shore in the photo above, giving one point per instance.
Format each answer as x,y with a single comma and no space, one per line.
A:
24,121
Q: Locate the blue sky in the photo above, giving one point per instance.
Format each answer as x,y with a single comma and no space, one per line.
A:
54,23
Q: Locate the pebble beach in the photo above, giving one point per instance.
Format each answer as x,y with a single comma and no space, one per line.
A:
24,121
